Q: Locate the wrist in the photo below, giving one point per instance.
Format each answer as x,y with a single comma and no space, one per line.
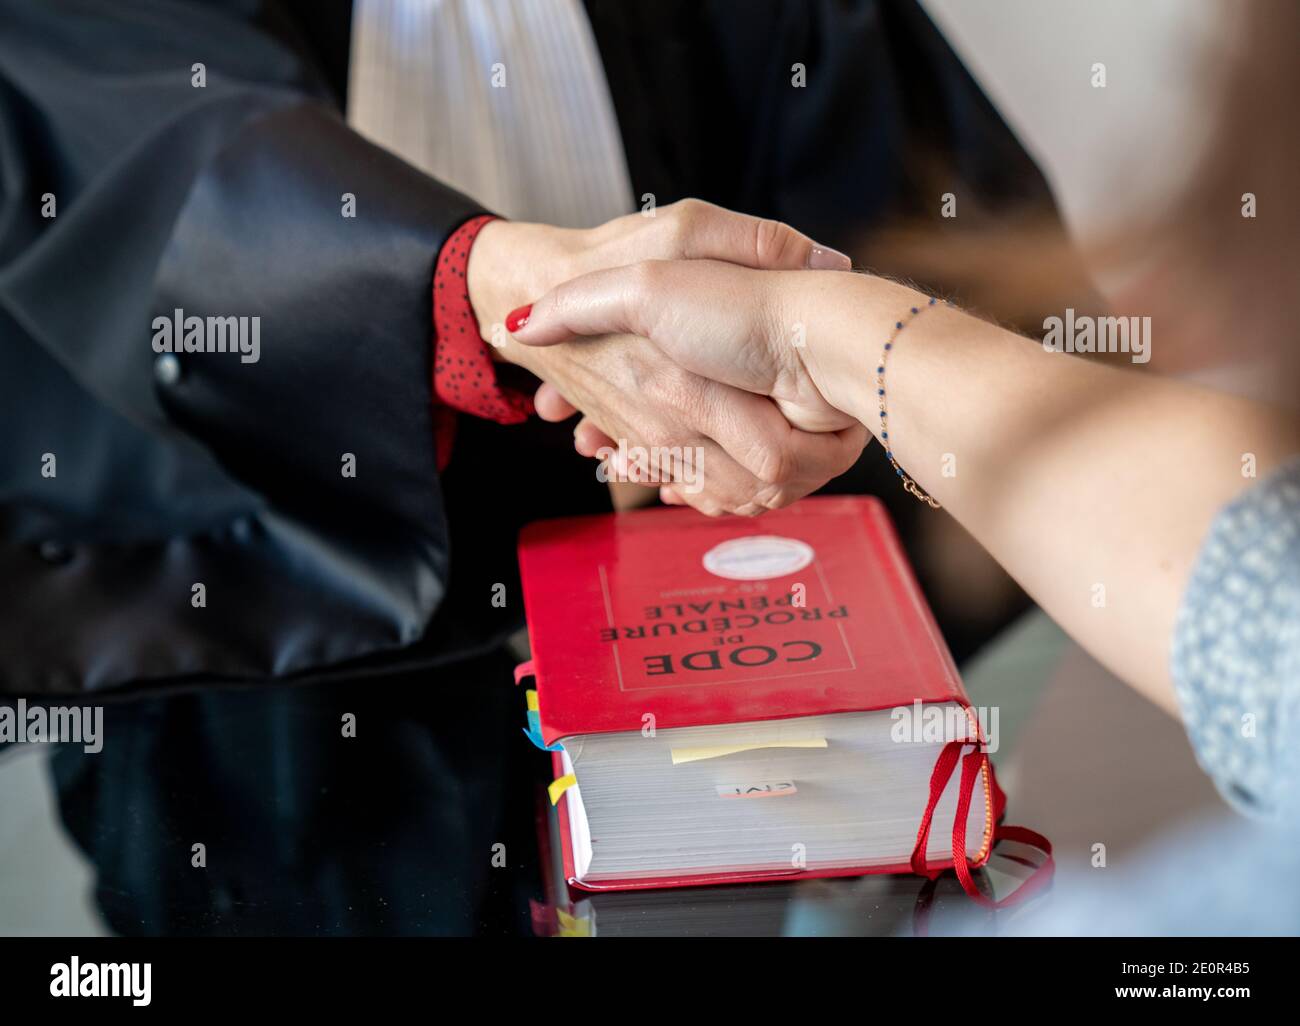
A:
850,319
510,264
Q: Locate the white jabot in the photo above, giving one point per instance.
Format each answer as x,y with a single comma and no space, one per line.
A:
504,100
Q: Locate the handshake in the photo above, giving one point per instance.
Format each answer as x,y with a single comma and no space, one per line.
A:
682,338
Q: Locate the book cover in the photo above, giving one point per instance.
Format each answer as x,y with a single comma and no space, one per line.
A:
806,611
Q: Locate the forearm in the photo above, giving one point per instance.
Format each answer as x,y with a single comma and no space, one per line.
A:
1093,486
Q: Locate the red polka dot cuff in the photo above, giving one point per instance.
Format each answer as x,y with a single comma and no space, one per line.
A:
464,376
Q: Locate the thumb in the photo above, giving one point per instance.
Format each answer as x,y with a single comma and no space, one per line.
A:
611,302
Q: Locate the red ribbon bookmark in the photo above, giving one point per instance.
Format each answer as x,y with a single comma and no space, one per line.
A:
972,764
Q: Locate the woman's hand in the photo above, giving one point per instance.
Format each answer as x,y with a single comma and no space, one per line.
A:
736,451
741,332
752,458
732,325
513,262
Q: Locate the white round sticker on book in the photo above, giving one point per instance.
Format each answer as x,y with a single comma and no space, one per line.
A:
758,557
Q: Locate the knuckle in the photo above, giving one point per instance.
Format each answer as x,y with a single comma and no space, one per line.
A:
724,493
772,240
706,504
689,218
772,497
689,210
774,465
779,498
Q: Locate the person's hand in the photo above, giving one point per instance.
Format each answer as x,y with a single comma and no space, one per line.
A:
743,329
513,262
725,323
730,451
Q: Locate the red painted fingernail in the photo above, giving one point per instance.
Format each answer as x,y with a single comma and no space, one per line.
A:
518,318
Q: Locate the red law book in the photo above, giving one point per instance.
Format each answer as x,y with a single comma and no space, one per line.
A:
740,699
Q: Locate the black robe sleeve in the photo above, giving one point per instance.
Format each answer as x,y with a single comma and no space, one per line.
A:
225,199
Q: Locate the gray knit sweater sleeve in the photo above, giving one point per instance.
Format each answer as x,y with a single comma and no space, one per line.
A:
1236,647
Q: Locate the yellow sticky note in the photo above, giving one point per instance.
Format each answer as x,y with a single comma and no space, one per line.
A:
531,696
681,755
559,785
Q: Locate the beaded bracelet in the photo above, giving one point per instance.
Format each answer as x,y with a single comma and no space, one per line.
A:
908,484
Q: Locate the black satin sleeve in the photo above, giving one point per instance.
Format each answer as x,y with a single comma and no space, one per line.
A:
299,489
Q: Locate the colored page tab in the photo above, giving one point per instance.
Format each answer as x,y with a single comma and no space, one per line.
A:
571,925
559,786
534,733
